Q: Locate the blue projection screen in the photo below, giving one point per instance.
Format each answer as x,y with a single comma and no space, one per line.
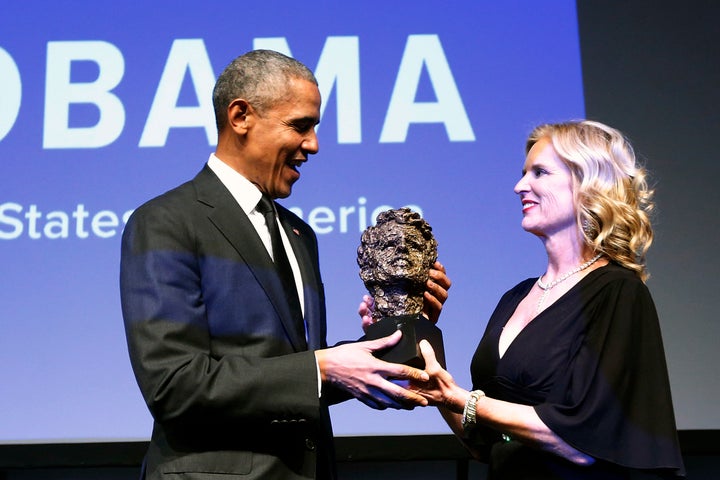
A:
105,104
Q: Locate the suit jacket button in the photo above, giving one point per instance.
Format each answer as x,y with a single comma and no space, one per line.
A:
309,444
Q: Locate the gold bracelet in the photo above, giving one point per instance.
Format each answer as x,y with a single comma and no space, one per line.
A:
470,410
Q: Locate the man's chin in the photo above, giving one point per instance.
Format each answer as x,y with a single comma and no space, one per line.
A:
285,188
283,192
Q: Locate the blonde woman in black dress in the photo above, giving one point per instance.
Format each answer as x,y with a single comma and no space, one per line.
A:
569,378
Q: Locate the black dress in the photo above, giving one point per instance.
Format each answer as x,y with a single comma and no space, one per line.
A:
593,366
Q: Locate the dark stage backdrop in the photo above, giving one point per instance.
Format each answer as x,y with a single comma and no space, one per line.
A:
105,104
652,69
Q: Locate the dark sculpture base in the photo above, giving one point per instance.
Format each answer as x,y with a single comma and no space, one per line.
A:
407,351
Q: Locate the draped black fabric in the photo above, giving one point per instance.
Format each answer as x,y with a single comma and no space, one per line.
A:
593,366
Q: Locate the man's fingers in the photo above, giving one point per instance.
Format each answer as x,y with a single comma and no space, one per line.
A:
403,372
393,397
407,399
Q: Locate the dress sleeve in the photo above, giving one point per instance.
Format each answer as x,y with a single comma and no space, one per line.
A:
614,403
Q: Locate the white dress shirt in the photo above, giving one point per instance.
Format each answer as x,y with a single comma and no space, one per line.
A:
247,196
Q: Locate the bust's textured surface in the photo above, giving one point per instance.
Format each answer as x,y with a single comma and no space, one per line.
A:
394,258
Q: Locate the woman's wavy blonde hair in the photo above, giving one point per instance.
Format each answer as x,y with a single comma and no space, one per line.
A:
614,202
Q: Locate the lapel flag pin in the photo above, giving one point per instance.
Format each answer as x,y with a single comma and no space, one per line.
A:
296,231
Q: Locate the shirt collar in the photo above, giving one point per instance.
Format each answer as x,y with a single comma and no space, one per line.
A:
245,193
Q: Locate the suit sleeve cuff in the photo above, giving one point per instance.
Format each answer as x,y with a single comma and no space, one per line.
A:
319,378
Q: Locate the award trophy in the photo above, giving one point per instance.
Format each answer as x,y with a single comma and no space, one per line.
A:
394,258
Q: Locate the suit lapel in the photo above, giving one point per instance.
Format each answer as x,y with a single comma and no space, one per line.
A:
303,248
231,221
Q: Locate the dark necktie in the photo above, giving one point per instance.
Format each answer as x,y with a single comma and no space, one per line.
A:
282,264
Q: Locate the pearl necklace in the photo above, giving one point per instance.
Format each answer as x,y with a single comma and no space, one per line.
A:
546,287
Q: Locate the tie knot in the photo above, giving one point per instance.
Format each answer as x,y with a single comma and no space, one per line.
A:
265,205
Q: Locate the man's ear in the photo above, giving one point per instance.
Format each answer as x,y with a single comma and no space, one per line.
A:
240,116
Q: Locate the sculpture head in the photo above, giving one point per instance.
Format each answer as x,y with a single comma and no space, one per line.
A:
394,258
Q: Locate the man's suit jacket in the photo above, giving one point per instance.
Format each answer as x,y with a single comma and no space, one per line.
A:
231,384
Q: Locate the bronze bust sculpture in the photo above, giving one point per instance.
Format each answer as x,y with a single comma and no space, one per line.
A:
394,257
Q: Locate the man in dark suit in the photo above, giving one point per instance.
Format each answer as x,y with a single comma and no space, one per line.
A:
232,362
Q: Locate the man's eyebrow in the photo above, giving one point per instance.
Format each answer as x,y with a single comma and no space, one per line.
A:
305,122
